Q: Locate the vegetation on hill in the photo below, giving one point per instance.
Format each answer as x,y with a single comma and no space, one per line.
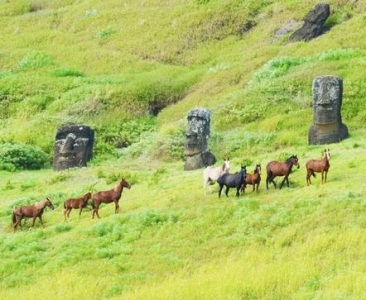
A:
131,70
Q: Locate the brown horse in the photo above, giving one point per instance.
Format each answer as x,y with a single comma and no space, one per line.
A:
76,203
275,168
321,165
30,211
109,196
253,179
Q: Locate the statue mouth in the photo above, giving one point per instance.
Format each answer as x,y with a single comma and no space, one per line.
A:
324,107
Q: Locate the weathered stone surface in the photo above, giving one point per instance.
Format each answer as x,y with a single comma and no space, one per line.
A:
313,24
327,103
197,136
73,147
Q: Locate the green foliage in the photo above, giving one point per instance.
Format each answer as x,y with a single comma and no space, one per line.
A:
172,146
21,157
124,134
276,68
67,72
35,60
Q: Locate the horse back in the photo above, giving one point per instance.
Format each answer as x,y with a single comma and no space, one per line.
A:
105,196
27,211
277,168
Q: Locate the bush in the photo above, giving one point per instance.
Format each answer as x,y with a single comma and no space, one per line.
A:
21,157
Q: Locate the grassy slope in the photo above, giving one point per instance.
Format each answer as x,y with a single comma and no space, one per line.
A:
169,241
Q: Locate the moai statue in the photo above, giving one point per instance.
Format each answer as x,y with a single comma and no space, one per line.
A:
327,125
197,135
73,147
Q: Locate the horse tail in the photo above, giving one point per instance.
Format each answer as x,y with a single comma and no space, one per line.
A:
92,202
13,217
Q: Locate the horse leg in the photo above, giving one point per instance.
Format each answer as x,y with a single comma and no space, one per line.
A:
116,205
322,177
287,181
271,179
283,181
227,191
69,211
40,219
81,209
95,210
237,190
220,189
308,181
17,222
325,177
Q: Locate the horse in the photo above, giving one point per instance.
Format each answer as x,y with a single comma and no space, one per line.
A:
30,211
275,168
211,174
232,181
109,196
76,203
320,166
253,179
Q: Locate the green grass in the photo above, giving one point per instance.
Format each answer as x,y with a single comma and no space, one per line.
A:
132,71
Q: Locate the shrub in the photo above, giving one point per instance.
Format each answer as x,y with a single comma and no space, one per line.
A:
35,60
21,157
67,72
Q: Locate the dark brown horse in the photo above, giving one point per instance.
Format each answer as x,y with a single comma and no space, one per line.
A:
112,195
30,211
275,168
253,179
321,165
76,203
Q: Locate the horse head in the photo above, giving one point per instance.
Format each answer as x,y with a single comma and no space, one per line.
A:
243,172
49,203
125,184
294,160
327,154
258,169
226,165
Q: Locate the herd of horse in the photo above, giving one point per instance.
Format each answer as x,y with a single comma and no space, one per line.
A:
211,174
274,169
35,210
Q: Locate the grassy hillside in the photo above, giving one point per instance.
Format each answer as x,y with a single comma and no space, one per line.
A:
132,70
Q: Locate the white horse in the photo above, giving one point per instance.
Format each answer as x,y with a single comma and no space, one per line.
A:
211,174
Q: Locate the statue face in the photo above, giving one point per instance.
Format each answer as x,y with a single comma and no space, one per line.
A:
327,96
72,149
196,136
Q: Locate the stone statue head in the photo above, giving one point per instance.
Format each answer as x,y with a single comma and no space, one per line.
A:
73,147
327,124
327,100
198,131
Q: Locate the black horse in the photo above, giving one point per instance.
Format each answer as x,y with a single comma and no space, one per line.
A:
232,181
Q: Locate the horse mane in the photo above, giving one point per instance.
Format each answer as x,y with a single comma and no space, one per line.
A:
291,157
40,204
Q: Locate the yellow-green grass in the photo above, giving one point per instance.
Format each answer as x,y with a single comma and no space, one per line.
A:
171,241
